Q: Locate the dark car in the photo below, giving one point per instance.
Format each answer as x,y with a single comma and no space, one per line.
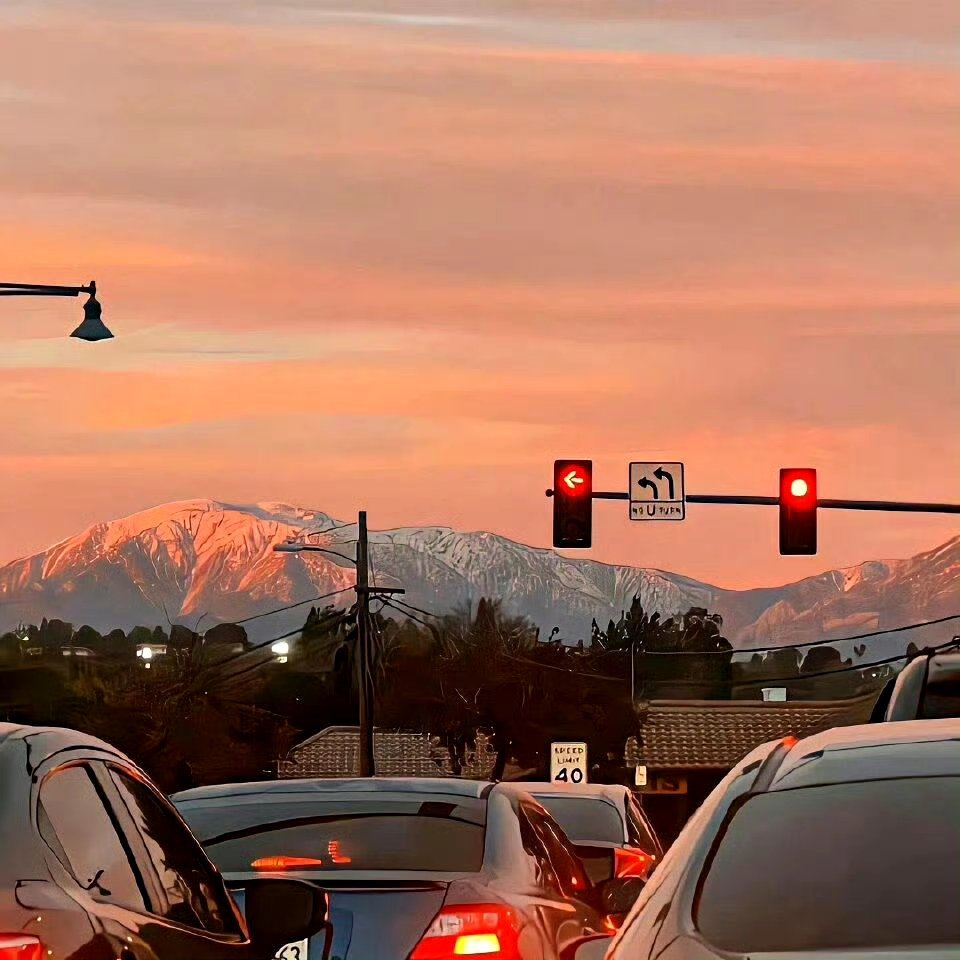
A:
845,844
414,868
612,836
95,864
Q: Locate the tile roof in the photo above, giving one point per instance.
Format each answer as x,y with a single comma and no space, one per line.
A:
334,752
716,734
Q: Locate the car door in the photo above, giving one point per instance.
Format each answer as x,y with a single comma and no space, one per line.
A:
191,914
102,864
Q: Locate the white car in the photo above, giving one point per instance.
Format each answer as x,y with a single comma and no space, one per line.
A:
843,845
607,826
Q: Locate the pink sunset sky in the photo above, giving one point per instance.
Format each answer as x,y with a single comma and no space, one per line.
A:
402,254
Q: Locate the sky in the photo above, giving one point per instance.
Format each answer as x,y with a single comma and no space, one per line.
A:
402,254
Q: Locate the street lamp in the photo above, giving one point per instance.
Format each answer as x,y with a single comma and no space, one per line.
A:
92,329
296,546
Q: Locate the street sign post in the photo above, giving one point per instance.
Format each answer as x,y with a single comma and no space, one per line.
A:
568,763
657,491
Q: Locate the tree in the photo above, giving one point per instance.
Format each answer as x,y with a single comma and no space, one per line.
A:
466,672
661,673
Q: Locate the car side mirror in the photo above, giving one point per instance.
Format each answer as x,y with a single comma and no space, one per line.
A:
587,948
279,912
617,896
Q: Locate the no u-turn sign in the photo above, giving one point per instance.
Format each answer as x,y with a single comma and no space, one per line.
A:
568,763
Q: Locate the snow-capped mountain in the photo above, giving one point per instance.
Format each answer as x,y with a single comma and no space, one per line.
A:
203,559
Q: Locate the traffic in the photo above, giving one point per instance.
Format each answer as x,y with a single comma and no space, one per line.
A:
840,844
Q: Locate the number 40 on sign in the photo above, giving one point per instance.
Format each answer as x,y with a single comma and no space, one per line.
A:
568,763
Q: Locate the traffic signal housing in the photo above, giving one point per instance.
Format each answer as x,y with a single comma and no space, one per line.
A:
572,504
798,511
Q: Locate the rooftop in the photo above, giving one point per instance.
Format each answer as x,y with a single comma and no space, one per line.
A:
334,752
716,734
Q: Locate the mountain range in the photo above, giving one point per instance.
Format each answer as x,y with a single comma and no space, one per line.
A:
207,561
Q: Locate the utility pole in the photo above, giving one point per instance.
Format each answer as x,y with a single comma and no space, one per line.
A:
364,650
365,653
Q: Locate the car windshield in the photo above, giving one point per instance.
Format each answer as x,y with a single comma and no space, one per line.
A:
585,818
429,836
844,866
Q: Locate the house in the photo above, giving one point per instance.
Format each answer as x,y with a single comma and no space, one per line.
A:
335,752
688,746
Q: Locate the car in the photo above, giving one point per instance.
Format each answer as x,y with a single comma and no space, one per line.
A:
606,824
843,844
415,868
95,864
927,688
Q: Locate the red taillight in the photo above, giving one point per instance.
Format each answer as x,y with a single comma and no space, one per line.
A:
15,946
630,862
476,929
333,848
612,923
284,863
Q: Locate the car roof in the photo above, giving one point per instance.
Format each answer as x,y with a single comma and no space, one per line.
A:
7,729
590,791
436,786
56,739
876,751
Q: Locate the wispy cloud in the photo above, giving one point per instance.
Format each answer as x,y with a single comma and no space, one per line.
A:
466,237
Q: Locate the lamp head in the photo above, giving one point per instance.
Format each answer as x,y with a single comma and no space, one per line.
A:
93,328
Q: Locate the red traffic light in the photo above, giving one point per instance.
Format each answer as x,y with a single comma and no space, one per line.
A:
572,503
798,511
573,478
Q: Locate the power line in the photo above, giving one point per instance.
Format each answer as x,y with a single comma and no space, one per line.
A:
291,606
797,646
388,602
416,609
330,618
859,667
333,529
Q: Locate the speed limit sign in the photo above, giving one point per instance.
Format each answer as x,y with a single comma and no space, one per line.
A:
568,763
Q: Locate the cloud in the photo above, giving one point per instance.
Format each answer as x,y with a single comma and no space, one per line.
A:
466,243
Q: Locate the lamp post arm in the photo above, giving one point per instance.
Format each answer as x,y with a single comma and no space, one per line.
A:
45,290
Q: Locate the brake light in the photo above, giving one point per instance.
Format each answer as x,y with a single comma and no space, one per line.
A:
15,946
333,848
470,930
283,863
630,862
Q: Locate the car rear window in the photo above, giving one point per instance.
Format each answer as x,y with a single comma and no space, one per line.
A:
941,698
845,866
584,819
431,836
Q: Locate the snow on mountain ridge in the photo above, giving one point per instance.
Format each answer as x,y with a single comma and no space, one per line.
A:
215,559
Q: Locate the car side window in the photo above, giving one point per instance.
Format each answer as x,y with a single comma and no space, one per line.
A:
534,848
567,866
194,892
75,822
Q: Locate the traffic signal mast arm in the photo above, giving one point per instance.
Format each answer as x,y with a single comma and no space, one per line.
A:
889,505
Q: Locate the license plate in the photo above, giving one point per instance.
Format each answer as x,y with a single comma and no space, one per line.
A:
293,951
